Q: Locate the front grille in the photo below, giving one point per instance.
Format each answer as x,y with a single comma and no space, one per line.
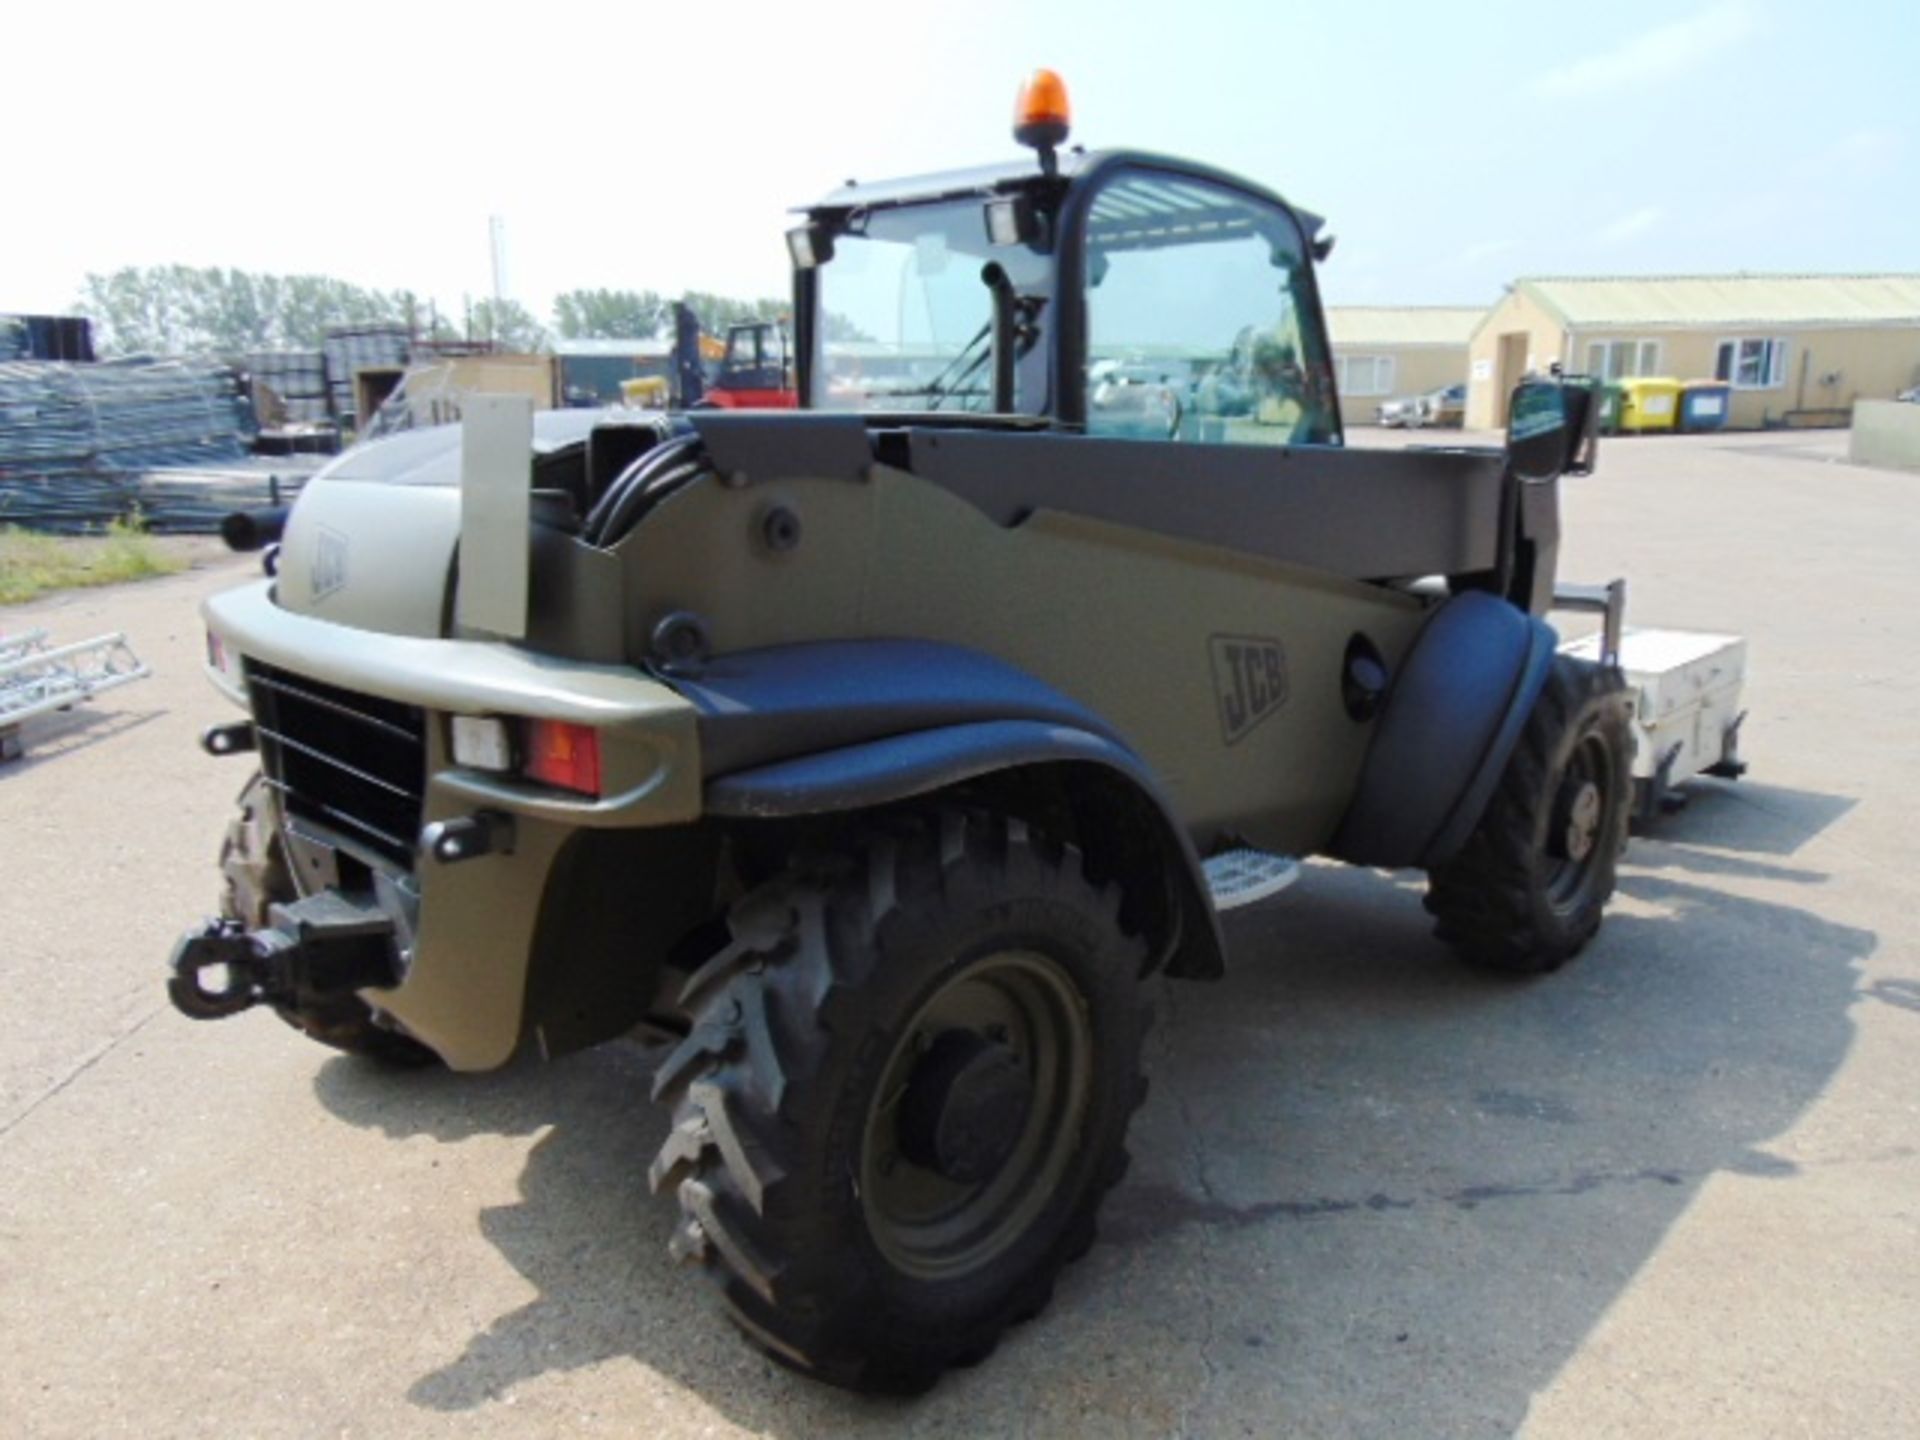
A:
352,762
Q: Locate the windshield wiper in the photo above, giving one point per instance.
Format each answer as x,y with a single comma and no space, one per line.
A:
967,363
959,386
1007,333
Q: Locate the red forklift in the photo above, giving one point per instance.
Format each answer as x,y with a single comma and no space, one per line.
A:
756,369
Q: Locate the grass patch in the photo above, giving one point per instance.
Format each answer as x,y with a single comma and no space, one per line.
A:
32,564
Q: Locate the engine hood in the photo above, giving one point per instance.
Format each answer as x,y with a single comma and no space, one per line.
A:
372,539
371,555
431,455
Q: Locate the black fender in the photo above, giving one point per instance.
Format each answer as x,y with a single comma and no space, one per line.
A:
835,726
1451,719
758,706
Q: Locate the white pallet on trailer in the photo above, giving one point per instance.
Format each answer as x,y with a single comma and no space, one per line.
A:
1686,714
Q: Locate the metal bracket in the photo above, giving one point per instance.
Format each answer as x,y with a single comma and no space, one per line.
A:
1608,600
1729,766
235,739
485,832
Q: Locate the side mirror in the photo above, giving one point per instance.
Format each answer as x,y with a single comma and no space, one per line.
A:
1547,428
1581,394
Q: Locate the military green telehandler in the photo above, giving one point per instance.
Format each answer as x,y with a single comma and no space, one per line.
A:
872,757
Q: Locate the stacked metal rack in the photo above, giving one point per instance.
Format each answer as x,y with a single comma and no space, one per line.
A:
75,439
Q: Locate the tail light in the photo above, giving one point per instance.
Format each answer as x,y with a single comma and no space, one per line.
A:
563,755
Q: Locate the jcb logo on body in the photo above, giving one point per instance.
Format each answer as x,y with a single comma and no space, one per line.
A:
329,563
1249,680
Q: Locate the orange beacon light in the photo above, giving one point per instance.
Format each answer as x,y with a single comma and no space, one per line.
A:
1040,116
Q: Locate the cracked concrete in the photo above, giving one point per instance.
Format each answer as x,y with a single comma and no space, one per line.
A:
1670,1189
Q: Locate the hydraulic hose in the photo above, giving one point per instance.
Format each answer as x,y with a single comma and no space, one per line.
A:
639,499
636,476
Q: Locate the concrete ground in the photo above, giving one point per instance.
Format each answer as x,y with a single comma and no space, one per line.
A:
1674,1189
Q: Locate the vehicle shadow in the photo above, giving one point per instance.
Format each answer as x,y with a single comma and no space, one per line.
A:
47,738
1749,817
1374,1192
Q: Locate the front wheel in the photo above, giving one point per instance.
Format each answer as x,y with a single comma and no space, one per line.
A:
904,1095
1526,891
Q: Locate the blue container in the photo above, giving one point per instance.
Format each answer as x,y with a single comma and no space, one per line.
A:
1704,404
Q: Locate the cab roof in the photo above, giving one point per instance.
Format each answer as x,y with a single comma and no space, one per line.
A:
995,179
1008,176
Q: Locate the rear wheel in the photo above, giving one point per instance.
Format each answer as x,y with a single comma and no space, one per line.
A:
253,867
904,1095
1526,891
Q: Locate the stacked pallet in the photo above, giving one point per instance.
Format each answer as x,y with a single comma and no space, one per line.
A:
352,348
298,378
46,337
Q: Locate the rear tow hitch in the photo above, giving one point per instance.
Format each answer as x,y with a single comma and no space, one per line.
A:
327,944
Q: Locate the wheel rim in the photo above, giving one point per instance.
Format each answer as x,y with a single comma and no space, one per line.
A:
1006,1041
1580,822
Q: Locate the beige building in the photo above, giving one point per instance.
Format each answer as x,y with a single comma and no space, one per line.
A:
1382,351
1797,349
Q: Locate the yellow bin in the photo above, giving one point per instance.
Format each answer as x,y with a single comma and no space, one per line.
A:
1649,404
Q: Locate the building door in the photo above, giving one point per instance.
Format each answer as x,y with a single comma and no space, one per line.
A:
1512,365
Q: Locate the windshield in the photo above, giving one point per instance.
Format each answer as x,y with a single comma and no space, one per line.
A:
906,318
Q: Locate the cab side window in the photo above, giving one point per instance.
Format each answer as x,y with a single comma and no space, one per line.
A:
1199,319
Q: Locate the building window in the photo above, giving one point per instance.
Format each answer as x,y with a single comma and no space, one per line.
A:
1621,359
1365,375
1752,364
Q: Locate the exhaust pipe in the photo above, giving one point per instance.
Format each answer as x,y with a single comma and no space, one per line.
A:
254,529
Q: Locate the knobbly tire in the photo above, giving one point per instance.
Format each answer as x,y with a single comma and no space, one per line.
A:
1526,891
904,1094
254,874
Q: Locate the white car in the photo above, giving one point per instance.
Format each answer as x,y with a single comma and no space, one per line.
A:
1404,411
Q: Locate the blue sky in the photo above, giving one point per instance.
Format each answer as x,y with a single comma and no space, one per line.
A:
1452,146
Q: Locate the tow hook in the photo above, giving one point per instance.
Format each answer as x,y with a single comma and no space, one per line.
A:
327,944
224,947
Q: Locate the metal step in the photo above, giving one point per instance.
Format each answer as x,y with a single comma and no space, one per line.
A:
1241,877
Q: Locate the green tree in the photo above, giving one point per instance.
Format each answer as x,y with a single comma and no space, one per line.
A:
717,312
508,325
609,314
183,309
423,318
835,326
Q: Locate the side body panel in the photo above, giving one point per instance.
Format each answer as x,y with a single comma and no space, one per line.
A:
1137,627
